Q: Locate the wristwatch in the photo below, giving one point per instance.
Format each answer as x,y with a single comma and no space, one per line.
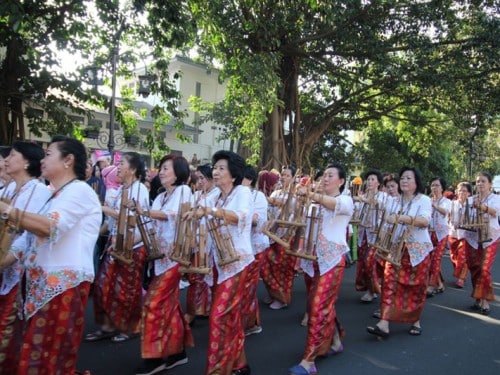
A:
5,214
214,210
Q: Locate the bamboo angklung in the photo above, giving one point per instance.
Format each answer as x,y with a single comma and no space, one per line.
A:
123,249
148,235
224,245
474,220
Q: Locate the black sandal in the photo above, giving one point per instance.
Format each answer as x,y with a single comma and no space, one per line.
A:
377,331
99,335
415,331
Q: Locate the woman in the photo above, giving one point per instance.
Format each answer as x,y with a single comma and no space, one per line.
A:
225,354
480,256
367,277
198,298
441,208
118,287
456,236
23,166
57,261
404,287
260,242
278,270
164,331
391,184
323,277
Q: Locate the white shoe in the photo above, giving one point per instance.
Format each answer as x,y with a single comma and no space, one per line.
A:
277,305
368,297
253,330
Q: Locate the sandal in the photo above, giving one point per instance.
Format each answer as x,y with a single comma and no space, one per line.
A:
99,335
122,337
375,330
415,331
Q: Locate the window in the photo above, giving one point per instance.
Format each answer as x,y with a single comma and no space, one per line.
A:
77,119
95,123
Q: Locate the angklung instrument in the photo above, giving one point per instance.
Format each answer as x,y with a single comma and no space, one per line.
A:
391,238
219,230
126,224
148,236
474,220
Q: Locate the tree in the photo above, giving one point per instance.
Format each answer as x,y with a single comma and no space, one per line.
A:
360,60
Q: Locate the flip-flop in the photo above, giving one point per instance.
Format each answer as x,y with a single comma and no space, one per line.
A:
375,330
99,335
415,331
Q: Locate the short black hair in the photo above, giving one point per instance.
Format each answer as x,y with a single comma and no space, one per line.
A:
376,173
136,162
341,172
33,153
485,174
441,181
292,169
5,151
251,174
71,146
391,177
181,168
418,178
205,170
235,164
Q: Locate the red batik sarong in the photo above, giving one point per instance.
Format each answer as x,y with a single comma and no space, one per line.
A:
458,258
361,283
251,312
226,337
198,297
404,290
53,334
479,262
436,255
10,339
278,273
322,293
165,331
121,295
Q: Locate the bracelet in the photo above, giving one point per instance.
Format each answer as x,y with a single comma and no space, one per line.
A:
5,215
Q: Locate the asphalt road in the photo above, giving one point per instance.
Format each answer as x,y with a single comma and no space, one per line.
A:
455,340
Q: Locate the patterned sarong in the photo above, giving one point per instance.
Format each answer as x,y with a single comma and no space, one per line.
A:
198,297
436,255
226,337
119,292
458,258
404,290
165,331
322,292
53,335
479,262
251,312
10,342
278,272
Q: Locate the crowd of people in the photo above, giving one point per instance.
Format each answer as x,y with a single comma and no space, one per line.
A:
127,238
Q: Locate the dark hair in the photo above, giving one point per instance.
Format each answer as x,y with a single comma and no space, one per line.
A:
155,188
341,172
5,151
70,146
292,169
487,175
235,164
33,154
376,173
136,162
205,170
418,178
181,168
467,185
251,174
391,177
319,174
441,181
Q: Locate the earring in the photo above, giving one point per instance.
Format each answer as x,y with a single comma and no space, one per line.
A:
26,166
65,166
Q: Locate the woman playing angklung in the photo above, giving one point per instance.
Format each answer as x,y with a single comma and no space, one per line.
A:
441,208
198,298
367,278
481,255
278,270
456,236
225,354
404,287
323,277
164,331
260,242
118,286
28,194
57,261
